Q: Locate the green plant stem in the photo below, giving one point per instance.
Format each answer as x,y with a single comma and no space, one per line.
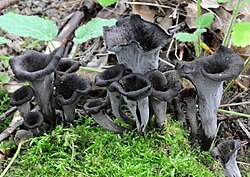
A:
229,29
198,47
4,58
75,52
233,81
91,69
234,113
14,157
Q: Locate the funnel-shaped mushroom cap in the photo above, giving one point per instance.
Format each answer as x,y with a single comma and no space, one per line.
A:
165,86
110,75
148,36
133,86
136,43
93,106
34,65
224,64
225,150
70,87
33,120
21,96
67,66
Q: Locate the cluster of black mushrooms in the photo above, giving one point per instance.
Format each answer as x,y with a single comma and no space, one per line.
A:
135,82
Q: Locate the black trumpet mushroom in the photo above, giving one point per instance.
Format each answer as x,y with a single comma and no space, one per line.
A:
21,98
226,153
165,86
189,98
136,43
67,65
96,108
69,90
33,122
135,88
207,74
104,79
38,70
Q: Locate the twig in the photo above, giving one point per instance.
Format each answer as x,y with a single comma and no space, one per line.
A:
8,113
243,128
149,4
243,163
14,157
234,104
169,64
239,94
4,3
16,122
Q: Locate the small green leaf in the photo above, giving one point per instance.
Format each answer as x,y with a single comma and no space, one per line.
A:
247,0
105,3
4,78
200,31
241,34
92,29
205,20
3,40
186,37
29,26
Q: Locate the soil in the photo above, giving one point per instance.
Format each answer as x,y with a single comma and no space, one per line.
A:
59,11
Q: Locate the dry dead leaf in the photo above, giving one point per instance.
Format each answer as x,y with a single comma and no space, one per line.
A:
191,10
209,4
222,20
144,11
95,63
12,86
166,21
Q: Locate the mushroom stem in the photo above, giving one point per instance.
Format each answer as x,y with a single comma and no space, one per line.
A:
140,110
69,112
209,103
43,89
159,109
96,108
191,114
104,120
115,101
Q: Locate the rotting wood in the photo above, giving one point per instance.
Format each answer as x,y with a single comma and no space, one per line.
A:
8,113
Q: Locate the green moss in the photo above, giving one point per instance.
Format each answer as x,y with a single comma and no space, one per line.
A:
93,151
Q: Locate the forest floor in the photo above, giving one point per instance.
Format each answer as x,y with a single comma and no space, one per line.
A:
166,14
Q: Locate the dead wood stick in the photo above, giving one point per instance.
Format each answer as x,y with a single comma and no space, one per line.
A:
243,128
8,113
6,3
16,122
66,32
70,27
